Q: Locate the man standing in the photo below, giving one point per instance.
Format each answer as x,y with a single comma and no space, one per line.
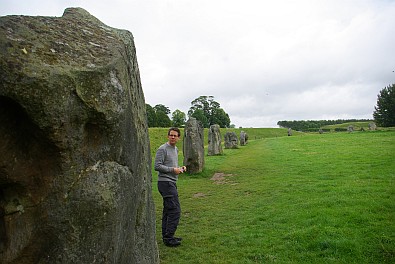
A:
166,163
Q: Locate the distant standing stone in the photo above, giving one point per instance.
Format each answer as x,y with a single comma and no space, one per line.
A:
243,138
289,132
231,141
372,126
214,141
350,129
193,146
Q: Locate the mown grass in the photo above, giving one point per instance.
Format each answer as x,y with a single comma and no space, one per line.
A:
302,199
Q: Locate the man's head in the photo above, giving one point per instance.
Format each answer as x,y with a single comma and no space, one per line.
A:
173,135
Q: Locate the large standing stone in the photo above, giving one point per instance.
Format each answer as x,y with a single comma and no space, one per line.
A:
214,141
231,141
243,138
193,146
75,166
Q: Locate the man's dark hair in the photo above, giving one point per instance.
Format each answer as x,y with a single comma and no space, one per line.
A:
174,129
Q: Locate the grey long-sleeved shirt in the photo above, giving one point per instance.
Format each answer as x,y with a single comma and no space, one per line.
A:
166,160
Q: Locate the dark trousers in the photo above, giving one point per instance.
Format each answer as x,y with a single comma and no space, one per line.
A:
171,208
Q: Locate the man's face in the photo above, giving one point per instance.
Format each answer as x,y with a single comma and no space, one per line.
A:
173,137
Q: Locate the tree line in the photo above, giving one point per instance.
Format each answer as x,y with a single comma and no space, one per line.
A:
309,125
384,114
204,108
209,112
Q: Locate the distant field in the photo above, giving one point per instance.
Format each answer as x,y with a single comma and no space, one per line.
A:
311,198
357,126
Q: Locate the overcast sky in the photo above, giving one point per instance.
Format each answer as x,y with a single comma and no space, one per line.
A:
263,61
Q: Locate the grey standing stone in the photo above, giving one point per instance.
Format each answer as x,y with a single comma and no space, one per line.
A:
243,138
372,126
231,141
193,146
350,129
289,132
75,166
214,141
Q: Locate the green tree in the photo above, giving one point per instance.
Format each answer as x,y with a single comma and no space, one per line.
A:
209,112
151,115
199,115
384,111
220,117
162,119
162,115
157,116
162,108
178,118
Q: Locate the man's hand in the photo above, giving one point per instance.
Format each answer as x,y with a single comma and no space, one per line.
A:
180,170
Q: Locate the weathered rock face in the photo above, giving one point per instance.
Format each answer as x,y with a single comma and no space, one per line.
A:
75,166
243,138
214,141
231,141
193,146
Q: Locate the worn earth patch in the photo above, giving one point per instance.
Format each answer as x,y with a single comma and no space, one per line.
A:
198,195
218,178
221,178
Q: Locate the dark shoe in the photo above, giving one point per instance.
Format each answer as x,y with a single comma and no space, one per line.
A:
176,238
171,242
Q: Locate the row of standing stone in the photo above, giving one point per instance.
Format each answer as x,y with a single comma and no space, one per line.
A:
231,140
194,142
193,147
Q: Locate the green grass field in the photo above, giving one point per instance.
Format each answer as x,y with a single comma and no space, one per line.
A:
308,198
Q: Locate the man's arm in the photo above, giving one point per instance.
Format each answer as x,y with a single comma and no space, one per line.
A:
160,160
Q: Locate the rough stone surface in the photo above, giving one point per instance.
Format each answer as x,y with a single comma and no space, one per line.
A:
350,129
289,132
193,146
214,141
75,167
243,138
231,141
